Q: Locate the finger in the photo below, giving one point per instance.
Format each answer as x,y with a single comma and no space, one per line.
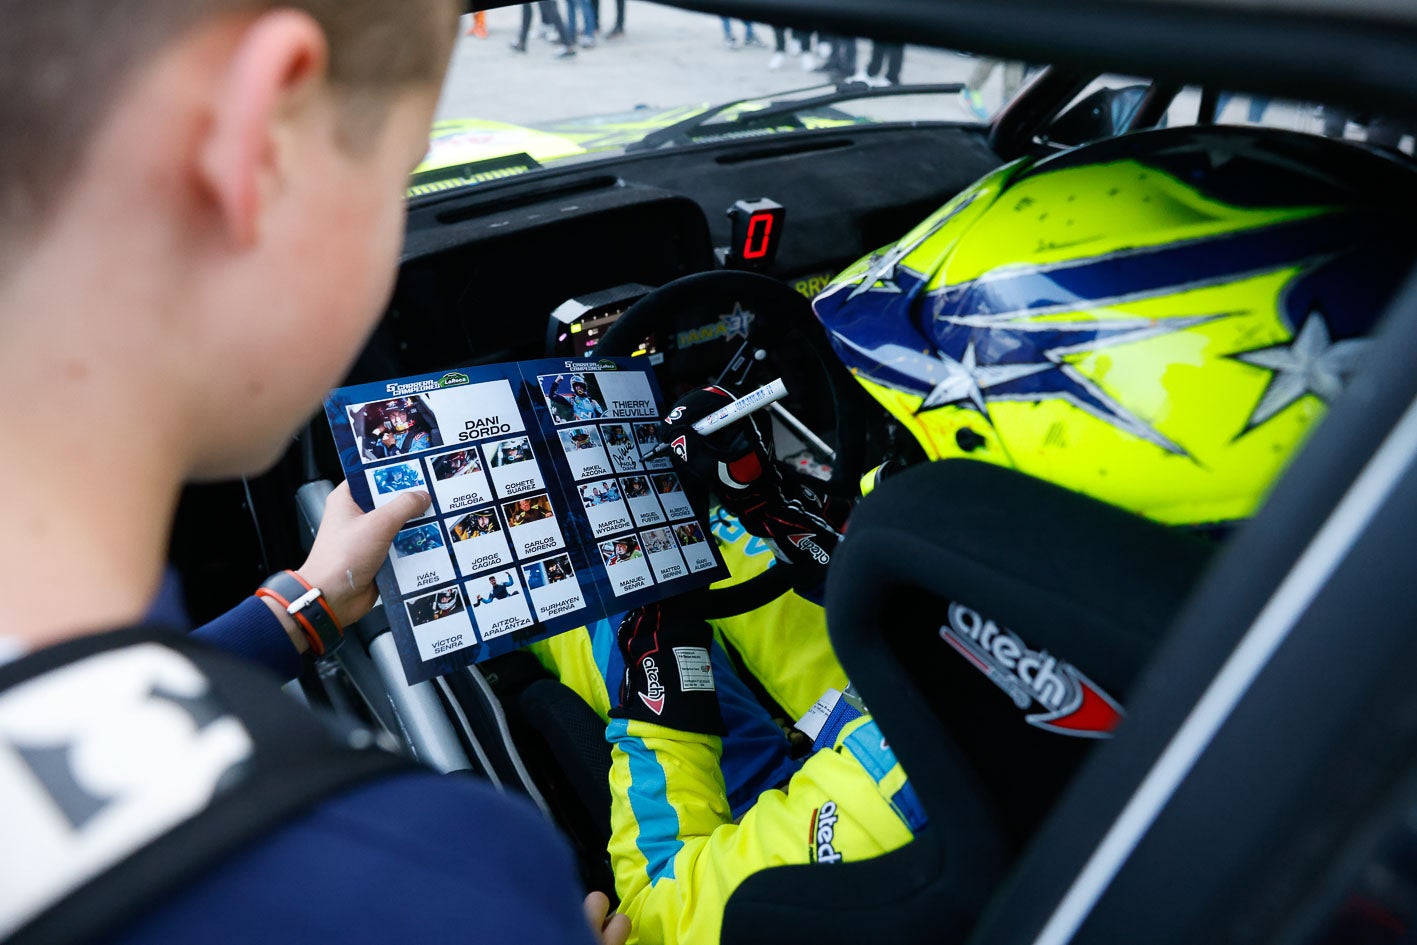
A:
384,521
340,506
596,905
616,931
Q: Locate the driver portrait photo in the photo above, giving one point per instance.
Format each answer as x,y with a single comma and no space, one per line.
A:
666,483
572,397
658,540
516,450
689,534
391,479
580,438
615,434
543,573
646,435
412,541
459,463
636,487
600,493
621,550
528,510
435,606
394,427
558,569
475,525
498,587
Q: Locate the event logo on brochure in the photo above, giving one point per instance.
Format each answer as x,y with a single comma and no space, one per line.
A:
604,364
1065,701
451,379
654,698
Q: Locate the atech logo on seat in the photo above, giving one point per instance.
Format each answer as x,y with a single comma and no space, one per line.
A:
1065,701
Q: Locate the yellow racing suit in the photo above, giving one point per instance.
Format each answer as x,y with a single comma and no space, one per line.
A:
694,815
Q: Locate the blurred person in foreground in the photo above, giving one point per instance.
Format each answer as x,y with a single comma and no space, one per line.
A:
205,210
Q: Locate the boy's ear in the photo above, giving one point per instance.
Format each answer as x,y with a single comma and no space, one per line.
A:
271,82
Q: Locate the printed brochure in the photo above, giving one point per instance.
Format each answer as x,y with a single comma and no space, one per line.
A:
547,512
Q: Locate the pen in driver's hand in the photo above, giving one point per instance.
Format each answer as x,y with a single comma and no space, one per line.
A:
751,402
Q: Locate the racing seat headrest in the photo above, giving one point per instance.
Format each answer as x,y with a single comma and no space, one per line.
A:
937,559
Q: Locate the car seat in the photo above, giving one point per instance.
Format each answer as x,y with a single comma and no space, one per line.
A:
1083,580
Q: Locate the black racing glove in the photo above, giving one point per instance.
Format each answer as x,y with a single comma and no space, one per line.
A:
801,524
668,677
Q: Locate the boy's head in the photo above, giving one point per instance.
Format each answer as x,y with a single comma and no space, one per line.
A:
64,64
201,201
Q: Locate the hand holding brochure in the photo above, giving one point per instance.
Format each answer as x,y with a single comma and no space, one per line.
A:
548,512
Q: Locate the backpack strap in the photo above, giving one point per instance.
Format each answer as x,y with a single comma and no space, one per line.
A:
133,760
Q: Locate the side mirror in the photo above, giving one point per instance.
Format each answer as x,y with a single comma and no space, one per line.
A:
1105,113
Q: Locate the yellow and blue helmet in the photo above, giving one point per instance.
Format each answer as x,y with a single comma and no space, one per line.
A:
1156,320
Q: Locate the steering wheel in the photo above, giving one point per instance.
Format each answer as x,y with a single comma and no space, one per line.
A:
778,311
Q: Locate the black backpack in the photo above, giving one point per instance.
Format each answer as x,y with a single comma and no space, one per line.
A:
131,760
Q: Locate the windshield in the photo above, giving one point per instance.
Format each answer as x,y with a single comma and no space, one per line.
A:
531,86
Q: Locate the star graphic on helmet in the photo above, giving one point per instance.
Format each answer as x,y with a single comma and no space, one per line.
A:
883,275
1309,363
1025,359
966,381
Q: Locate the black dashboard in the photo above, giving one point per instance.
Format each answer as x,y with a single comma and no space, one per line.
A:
483,269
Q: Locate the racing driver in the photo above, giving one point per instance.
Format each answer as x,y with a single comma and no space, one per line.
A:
1156,321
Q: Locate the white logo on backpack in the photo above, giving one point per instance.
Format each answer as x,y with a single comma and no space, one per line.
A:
98,758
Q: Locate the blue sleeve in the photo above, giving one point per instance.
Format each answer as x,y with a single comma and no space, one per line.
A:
250,629
412,858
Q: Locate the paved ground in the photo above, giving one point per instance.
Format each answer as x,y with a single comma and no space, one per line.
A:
671,57
667,57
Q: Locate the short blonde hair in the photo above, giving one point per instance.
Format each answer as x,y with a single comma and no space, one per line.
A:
63,62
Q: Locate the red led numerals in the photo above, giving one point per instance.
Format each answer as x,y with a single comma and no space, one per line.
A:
759,239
